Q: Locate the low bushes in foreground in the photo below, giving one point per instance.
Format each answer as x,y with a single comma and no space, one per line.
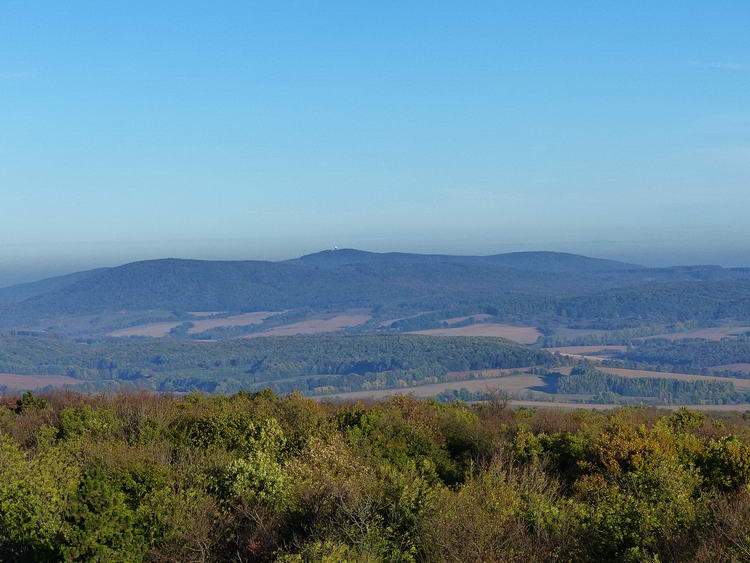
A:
261,477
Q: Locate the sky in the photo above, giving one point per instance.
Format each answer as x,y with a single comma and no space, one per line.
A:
242,130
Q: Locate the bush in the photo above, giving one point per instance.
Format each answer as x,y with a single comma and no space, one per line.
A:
88,422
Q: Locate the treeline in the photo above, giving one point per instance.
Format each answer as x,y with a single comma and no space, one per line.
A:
321,363
260,477
663,302
693,354
589,380
624,336
467,396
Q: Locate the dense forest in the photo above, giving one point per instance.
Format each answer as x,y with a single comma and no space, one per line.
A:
541,288
665,390
693,354
261,477
315,364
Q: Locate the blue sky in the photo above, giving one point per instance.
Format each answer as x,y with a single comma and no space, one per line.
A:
238,129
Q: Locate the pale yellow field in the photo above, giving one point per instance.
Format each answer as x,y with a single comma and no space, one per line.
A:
477,317
205,313
35,381
511,384
152,329
162,329
586,350
314,326
245,319
527,382
520,334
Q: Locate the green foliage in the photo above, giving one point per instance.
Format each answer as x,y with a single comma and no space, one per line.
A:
33,493
89,422
258,479
261,477
590,380
685,420
315,364
29,401
99,525
229,429
691,354
726,463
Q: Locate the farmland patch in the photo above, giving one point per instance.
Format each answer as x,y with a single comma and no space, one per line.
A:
520,334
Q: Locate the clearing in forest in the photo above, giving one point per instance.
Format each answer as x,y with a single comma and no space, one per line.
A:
15,381
510,384
519,334
314,326
586,350
163,328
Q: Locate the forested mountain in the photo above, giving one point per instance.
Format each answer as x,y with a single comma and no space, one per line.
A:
532,261
664,302
533,287
20,292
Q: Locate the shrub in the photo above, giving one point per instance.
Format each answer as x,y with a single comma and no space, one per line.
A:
29,401
88,422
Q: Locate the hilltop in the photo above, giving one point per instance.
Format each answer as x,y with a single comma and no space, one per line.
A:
529,287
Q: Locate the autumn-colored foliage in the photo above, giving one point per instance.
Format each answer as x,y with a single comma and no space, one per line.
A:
262,477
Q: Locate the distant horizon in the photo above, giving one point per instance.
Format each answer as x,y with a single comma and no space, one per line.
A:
268,130
19,273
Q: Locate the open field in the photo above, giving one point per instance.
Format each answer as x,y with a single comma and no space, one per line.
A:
711,333
478,317
14,381
245,319
205,313
568,332
510,383
314,326
586,350
162,329
589,406
568,405
536,384
740,384
520,334
152,329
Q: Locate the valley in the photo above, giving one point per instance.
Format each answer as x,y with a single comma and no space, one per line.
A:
188,325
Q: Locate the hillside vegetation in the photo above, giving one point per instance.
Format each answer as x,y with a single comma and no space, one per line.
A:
260,477
535,287
694,354
309,363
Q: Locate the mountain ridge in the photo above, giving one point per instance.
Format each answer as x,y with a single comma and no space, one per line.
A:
520,285
544,261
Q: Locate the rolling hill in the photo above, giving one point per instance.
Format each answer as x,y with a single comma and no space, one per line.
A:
543,287
530,261
21,292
